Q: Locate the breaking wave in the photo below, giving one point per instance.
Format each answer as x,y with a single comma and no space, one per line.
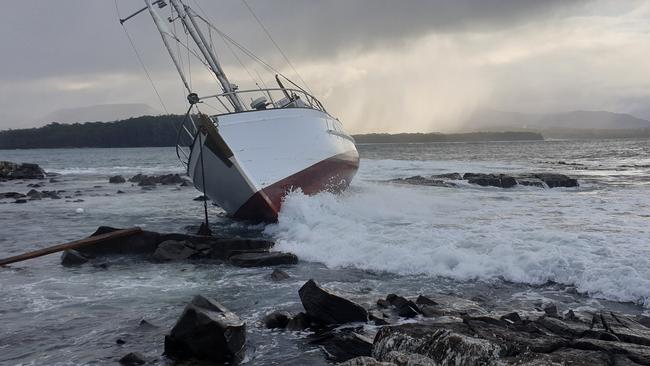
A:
596,242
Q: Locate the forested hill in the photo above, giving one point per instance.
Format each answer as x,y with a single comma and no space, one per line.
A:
133,132
161,131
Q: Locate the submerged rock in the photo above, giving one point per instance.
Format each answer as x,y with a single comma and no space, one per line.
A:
116,179
71,257
132,359
263,259
343,345
171,250
279,275
299,322
13,195
277,319
207,330
329,308
422,181
404,308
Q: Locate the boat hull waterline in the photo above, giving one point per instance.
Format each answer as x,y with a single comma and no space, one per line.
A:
252,160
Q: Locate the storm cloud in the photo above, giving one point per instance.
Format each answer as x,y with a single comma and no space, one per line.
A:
379,65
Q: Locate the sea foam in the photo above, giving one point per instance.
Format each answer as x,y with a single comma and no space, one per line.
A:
596,241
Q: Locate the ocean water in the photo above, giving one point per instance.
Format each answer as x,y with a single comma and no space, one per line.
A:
503,247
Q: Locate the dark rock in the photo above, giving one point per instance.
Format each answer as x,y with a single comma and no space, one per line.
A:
340,346
511,317
168,179
277,319
263,259
279,275
71,257
11,195
9,170
501,180
132,359
556,180
452,176
207,330
116,179
147,182
120,192
532,182
367,361
383,303
422,181
34,185
54,180
423,300
329,308
170,250
186,183
144,243
550,309
136,178
377,317
20,200
120,341
299,322
201,198
34,194
144,324
404,308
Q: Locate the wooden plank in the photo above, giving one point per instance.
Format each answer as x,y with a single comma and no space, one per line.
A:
91,240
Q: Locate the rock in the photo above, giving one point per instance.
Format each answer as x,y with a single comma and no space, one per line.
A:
116,179
34,185
443,346
422,181
120,341
366,361
423,300
71,257
451,176
408,359
13,195
9,170
144,243
200,198
511,317
263,259
550,309
132,359
277,319
383,303
279,275
147,182
556,180
501,180
168,179
145,325
20,200
329,308
404,308
171,250
299,322
54,180
207,330
340,346
120,192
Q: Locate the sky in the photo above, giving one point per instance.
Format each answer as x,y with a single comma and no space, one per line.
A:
377,65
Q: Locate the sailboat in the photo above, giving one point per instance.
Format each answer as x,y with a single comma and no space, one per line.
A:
265,143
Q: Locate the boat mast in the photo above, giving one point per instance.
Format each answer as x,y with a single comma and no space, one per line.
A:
166,36
186,16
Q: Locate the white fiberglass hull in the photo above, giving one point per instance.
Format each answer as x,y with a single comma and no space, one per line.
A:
273,151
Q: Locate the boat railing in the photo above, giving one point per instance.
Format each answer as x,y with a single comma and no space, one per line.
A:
263,99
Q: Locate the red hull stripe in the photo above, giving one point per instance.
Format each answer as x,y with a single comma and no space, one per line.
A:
333,174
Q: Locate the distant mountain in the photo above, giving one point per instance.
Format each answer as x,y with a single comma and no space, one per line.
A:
488,119
100,113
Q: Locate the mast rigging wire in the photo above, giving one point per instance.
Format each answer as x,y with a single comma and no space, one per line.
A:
268,34
142,64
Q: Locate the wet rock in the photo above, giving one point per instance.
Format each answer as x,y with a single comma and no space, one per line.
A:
378,317
144,243
132,359
553,180
383,303
34,185
277,319
168,179
329,308
531,182
365,361
171,250
511,317
443,346
263,259
422,181
404,308
145,325
207,330
13,195
423,300
279,275
71,257
494,180
550,309
116,179
299,322
120,341
408,359
147,182
451,176
34,194
54,180
9,170
340,346
200,198
20,200
120,192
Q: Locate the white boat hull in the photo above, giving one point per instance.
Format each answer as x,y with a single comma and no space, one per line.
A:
271,152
